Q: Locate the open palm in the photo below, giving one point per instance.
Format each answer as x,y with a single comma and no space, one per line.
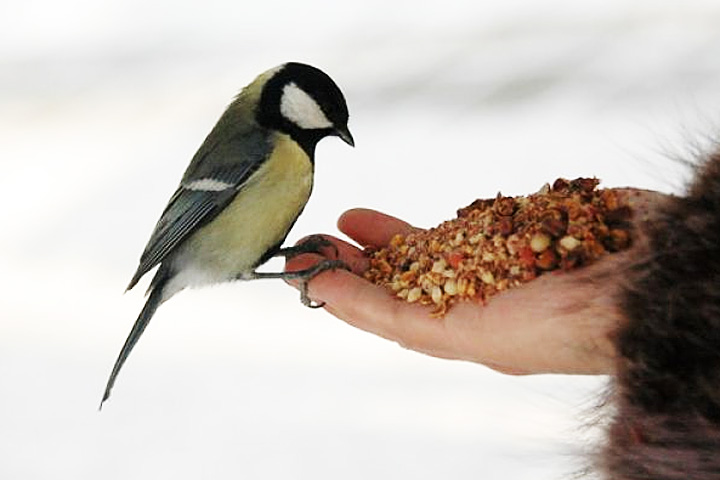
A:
561,322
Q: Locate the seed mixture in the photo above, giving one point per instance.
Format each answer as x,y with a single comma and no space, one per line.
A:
499,243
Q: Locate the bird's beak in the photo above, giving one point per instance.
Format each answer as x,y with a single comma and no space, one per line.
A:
345,135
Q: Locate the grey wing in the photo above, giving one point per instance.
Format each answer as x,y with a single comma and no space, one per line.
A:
191,208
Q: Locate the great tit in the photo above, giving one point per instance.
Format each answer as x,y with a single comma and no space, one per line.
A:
243,191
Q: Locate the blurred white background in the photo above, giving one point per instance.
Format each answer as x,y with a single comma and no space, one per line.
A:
102,105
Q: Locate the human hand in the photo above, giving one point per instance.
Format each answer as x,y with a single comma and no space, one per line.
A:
562,322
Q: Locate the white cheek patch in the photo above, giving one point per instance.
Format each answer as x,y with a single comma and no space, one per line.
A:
300,108
208,185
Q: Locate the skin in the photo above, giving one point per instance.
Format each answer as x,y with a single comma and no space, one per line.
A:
562,322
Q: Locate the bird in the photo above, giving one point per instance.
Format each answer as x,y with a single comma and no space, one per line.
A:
243,191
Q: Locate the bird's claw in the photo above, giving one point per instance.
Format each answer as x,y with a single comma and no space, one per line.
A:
312,244
314,271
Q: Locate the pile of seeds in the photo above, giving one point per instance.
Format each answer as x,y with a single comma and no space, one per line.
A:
500,243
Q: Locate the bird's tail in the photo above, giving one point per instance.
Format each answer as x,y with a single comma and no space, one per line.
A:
151,305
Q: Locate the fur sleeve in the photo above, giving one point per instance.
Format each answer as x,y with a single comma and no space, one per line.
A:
666,423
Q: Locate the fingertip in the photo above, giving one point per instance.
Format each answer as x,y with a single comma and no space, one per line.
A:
347,253
350,217
370,227
320,284
302,262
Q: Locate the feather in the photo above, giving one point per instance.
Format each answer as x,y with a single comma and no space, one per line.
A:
190,208
151,305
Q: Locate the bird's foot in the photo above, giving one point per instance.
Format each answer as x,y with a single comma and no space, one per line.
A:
309,273
311,244
303,276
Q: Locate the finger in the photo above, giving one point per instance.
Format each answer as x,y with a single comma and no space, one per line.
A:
555,324
350,254
541,327
372,228
372,308
368,306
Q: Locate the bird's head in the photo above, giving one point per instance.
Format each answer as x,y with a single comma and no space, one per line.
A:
305,103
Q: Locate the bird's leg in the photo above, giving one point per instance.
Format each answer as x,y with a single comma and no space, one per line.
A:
312,244
304,276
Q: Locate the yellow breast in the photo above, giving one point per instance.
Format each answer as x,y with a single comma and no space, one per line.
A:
257,219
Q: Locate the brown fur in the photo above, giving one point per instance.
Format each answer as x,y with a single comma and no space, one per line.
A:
666,424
